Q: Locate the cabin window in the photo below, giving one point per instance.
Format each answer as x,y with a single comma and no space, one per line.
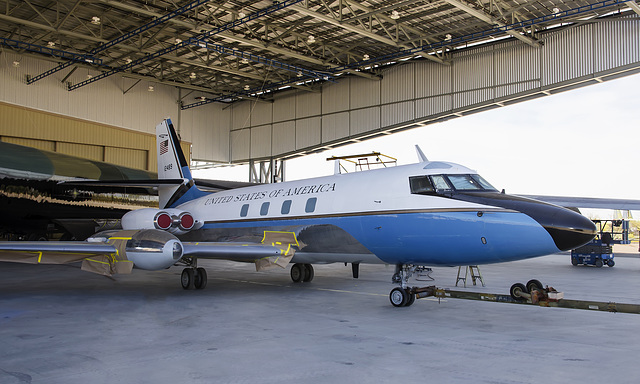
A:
244,210
420,185
311,205
286,207
264,209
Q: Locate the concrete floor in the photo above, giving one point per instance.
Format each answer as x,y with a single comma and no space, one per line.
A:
61,325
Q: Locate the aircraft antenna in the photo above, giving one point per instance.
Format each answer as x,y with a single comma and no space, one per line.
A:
421,157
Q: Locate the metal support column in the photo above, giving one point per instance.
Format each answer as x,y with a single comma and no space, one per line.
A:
266,171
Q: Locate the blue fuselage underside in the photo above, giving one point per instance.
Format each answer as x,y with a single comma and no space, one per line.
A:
431,238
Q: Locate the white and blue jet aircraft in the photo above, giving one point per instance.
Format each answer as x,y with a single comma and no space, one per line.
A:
427,214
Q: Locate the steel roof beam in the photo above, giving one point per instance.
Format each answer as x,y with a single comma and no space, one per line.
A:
75,57
233,38
128,48
379,13
634,6
122,38
176,59
255,15
490,20
360,31
263,60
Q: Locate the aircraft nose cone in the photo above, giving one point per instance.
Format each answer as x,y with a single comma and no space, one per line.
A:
567,228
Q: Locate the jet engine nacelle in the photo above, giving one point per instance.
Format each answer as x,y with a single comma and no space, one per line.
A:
150,249
171,220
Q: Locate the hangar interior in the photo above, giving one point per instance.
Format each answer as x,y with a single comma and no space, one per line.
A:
258,81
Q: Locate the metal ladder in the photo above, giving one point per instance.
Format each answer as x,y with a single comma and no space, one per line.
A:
473,271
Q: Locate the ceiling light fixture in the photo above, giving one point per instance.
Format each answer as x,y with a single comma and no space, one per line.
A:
246,87
178,41
447,37
95,20
51,44
556,10
244,61
192,75
395,15
89,76
241,15
299,74
16,64
128,60
365,57
150,89
311,39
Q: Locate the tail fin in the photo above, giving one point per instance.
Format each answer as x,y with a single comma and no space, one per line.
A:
173,165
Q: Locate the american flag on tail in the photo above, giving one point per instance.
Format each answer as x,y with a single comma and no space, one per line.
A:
164,147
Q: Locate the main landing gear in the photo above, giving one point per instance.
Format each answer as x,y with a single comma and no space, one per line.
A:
193,277
301,272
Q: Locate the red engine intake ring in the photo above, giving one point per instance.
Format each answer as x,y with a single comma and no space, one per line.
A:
162,221
186,221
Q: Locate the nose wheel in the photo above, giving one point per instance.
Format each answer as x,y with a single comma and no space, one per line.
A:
403,296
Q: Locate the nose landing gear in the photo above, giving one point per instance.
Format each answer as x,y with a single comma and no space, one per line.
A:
403,296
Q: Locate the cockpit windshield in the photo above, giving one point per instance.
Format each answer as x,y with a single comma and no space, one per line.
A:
484,183
464,183
434,184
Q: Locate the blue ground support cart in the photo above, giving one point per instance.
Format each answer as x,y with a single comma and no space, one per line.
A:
599,251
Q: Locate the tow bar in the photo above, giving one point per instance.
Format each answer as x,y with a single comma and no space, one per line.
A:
531,293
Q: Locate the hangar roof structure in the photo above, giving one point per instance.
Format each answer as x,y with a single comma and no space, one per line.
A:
222,51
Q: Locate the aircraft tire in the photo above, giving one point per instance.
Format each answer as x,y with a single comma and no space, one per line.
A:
187,278
308,273
599,263
411,298
398,297
297,272
200,278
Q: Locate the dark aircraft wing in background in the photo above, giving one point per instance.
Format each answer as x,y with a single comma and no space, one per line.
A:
36,205
589,202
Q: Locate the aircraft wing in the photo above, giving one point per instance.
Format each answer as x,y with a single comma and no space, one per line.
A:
113,255
589,202
276,248
101,258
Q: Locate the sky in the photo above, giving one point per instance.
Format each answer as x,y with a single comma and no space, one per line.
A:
582,143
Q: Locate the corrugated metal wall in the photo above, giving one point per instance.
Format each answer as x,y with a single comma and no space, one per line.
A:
422,92
209,128
112,103
76,137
